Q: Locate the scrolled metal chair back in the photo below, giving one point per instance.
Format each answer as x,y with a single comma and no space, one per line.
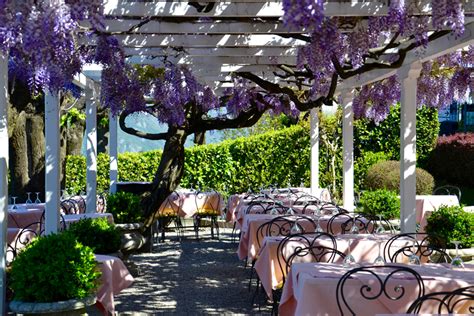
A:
343,223
24,237
383,282
256,208
102,203
448,190
70,206
320,247
206,203
281,226
305,199
171,205
400,247
458,301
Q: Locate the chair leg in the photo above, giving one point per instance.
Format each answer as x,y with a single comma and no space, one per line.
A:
212,227
196,226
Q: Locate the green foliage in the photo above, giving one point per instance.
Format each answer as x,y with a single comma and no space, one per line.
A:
71,117
276,157
54,268
125,207
96,233
383,202
362,165
450,223
385,137
453,159
386,175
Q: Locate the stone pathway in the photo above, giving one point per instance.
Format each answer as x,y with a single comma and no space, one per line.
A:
189,278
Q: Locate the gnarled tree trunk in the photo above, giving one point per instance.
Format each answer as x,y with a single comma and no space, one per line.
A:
168,175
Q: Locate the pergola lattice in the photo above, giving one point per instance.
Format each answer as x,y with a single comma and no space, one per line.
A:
217,38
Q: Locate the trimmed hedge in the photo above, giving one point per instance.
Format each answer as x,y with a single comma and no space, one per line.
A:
386,175
381,202
274,158
453,159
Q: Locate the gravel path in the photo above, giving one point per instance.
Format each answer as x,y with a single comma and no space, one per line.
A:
188,278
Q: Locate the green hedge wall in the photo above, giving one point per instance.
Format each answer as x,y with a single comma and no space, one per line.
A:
277,157
231,166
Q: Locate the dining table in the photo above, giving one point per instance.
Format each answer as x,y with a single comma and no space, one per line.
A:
186,203
271,269
115,277
250,240
311,289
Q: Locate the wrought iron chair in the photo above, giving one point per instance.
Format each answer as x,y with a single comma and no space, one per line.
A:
102,202
387,285
207,206
448,190
169,211
24,237
320,247
80,203
458,301
70,206
305,199
417,244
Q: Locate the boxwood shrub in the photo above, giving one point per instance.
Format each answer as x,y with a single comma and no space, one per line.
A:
386,175
383,202
97,233
450,223
126,207
54,268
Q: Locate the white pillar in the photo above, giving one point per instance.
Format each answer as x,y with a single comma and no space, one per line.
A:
52,184
348,151
408,76
3,175
314,122
113,153
91,147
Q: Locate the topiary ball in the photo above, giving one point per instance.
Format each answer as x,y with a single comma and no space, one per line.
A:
386,175
383,202
97,233
54,268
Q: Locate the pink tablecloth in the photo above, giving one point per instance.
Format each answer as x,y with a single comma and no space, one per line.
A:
271,270
310,289
187,203
426,204
21,218
248,243
115,277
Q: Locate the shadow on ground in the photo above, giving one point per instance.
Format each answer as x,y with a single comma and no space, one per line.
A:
190,277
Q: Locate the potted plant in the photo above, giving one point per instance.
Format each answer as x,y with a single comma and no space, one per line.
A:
54,275
452,223
97,233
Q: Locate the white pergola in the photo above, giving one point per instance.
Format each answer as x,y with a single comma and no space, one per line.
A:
215,39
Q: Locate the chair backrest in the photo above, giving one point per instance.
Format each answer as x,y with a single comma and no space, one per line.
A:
396,250
70,206
311,247
343,223
458,301
385,281
23,238
208,202
172,205
102,203
448,190
305,199
275,208
256,208
282,226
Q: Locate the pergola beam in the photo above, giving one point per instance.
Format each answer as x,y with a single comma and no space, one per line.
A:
212,52
217,60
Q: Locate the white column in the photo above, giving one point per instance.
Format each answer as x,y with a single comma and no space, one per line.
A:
52,184
314,122
3,175
408,76
91,147
113,153
348,151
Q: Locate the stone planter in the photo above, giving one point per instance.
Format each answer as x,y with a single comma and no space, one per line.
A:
73,307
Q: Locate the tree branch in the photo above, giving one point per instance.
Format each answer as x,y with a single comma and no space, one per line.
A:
134,132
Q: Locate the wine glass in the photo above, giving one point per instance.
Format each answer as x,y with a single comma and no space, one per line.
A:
274,211
28,200
379,261
349,260
354,228
290,211
457,261
380,229
14,207
317,213
413,258
37,201
296,229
